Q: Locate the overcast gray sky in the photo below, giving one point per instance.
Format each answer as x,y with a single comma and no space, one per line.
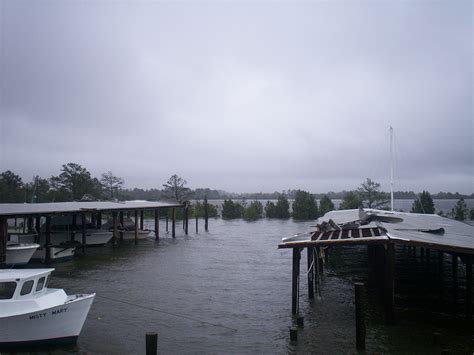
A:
245,96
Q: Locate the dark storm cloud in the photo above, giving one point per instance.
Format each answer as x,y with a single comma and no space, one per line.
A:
249,96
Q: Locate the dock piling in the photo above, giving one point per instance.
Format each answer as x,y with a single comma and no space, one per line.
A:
157,224
151,343
114,224
136,227
311,266
122,226
173,223
293,334
3,241
142,218
359,315
206,215
295,281
84,241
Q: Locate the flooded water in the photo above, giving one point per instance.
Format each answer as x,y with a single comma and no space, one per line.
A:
229,291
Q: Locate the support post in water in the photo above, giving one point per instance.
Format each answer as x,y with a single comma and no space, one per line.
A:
197,226
151,343
99,220
157,224
114,224
469,287
359,315
142,217
122,226
206,215
173,223
311,266
47,257
3,241
167,219
186,219
389,289
295,281
136,227
83,228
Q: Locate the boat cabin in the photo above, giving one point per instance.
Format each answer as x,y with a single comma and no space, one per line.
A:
23,284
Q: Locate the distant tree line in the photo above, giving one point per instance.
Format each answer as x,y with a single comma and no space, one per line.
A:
75,183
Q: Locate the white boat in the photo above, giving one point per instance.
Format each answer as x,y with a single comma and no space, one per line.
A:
130,235
57,253
64,231
20,254
94,237
31,314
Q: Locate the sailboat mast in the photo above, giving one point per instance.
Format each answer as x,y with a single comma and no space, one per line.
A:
391,167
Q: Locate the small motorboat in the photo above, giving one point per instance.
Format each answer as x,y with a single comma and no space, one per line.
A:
57,253
20,253
31,314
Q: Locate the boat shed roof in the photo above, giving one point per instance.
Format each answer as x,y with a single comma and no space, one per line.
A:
29,209
427,230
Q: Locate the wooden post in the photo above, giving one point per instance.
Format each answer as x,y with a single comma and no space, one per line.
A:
47,246
99,220
320,261
3,241
94,219
468,287
206,215
173,223
73,230
38,228
186,219
151,343
295,281
311,266
136,226
167,229
197,227
454,267
142,217
84,241
389,293
157,224
114,224
30,224
122,226
359,315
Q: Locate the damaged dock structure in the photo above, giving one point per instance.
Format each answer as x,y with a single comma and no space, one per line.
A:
39,219
382,232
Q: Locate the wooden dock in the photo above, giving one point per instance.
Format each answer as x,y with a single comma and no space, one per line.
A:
95,210
381,231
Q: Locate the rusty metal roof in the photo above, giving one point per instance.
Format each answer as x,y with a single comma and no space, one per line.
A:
427,230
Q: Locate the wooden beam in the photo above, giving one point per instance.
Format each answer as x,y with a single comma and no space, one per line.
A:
389,284
173,223
114,224
136,226
3,241
84,241
47,245
311,267
469,288
122,226
206,215
157,224
295,281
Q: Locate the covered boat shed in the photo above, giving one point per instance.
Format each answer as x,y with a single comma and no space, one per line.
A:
35,211
381,231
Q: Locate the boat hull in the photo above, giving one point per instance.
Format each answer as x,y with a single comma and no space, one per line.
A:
20,254
93,238
58,253
59,324
130,235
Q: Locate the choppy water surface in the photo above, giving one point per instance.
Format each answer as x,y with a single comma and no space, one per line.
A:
229,291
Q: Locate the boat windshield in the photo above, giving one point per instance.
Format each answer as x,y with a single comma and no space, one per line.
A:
7,290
